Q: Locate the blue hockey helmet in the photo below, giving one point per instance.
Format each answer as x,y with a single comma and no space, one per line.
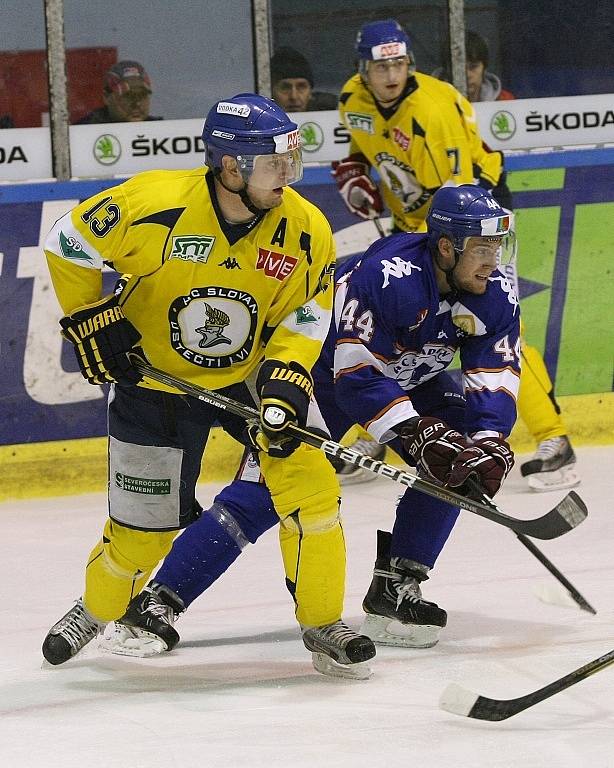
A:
248,126
470,211
385,39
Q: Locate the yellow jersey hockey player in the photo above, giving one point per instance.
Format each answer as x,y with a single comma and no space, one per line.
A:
418,133
228,286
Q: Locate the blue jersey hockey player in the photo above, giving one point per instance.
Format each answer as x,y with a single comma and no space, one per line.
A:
401,312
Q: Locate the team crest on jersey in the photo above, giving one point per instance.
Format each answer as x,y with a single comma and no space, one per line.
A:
397,268
402,182
213,326
414,367
276,265
360,122
401,138
192,248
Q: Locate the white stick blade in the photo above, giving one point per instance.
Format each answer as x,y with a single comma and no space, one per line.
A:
552,594
457,700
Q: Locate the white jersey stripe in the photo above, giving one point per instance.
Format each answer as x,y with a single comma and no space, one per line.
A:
501,379
381,426
352,354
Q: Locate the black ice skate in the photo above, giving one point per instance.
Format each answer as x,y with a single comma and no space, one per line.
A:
146,629
71,633
553,467
338,651
349,474
396,613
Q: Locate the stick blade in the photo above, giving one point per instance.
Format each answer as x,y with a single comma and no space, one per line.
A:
458,700
568,513
552,594
461,701
573,509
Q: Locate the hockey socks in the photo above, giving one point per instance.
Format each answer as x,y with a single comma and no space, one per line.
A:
240,513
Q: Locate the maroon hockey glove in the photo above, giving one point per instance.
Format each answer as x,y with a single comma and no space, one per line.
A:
359,193
432,444
102,336
488,462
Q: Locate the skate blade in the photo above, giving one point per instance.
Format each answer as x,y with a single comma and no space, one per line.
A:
128,641
327,666
385,631
557,480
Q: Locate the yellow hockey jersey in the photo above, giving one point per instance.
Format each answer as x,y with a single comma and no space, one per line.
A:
208,311
432,138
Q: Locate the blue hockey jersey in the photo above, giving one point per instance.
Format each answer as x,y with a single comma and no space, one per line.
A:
393,332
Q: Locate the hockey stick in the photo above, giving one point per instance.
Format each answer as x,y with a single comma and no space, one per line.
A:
378,226
573,592
460,701
567,514
580,601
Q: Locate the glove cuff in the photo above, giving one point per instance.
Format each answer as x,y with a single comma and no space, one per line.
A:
290,383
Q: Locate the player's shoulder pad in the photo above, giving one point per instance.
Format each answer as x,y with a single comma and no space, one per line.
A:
435,88
351,87
498,306
401,254
294,205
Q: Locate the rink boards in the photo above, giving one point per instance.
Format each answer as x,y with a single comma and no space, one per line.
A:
52,422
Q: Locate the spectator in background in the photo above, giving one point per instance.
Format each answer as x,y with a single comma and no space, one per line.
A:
292,84
482,85
6,121
126,95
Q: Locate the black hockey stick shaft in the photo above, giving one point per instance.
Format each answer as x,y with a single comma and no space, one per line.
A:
536,552
378,225
576,596
500,709
549,526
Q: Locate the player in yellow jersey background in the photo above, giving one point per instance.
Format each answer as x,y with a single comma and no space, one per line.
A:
419,134
228,286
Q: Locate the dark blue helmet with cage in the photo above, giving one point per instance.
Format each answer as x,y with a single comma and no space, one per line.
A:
385,39
247,126
469,211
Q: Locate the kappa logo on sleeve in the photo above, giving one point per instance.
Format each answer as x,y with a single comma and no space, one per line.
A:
276,265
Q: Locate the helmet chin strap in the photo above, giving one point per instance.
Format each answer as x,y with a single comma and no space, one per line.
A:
449,273
245,198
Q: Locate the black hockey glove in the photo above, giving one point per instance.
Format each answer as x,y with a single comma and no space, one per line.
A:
285,390
102,335
432,444
488,462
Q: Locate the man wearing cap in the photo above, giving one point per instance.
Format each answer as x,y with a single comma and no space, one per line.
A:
292,84
126,95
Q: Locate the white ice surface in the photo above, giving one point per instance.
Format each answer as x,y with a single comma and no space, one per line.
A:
240,689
